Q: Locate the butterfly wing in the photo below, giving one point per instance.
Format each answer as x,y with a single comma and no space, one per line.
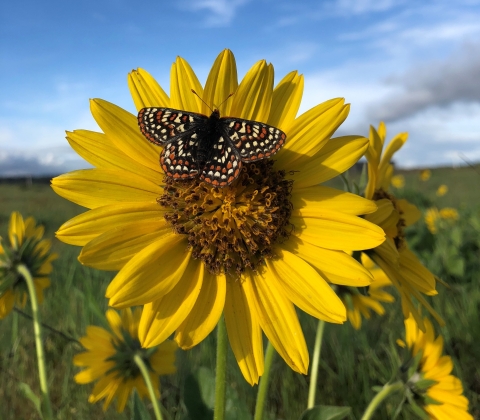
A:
178,157
163,125
254,140
224,165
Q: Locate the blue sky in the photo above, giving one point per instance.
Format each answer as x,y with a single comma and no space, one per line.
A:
415,65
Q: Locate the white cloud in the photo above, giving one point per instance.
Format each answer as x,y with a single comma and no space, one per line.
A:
221,12
356,7
433,84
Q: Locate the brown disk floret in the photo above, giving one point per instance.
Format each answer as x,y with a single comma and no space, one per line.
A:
233,228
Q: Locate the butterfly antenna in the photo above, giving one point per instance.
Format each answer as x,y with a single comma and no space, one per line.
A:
217,107
225,100
195,93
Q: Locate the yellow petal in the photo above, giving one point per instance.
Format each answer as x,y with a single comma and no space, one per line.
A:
150,274
305,288
395,144
99,151
87,226
162,317
93,188
253,98
221,82
313,200
279,321
334,230
410,212
243,328
206,312
334,266
145,91
182,81
310,131
122,129
334,158
16,229
114,248
115,322
286,99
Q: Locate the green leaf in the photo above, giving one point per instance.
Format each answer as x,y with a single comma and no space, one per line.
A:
456,266
139,411
196,407
29,394
326,412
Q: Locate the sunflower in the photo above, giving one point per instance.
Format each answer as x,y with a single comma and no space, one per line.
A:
109,359
398,181
361,301
425,174
411,278
28,248
449,213
431,217
188,251
433,387
442,190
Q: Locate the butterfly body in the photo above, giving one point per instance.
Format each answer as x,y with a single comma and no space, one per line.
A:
212,148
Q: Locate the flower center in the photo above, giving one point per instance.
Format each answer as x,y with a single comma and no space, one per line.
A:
233,228
399,239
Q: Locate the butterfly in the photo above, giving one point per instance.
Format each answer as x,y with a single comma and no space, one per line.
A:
212,148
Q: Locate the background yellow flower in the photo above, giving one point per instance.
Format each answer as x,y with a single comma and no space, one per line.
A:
28,248
443,398
442,190
108,360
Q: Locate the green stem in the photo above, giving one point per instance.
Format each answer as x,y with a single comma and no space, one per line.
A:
315,363
42,371
264,381
146,377
387,390
221,370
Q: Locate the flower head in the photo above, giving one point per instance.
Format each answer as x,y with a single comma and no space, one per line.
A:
432,385
189,251
449,213
28,248
109,359
431,216
406,272
362,301
442,190
398,181
425,174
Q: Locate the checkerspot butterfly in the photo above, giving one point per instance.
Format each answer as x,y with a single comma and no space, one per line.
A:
212,148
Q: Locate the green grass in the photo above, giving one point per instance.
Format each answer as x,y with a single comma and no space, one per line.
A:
352,362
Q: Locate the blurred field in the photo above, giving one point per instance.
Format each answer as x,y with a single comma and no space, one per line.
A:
352,362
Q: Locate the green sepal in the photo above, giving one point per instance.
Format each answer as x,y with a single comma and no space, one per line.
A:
415,407
424,384
414,364
430,401
326,412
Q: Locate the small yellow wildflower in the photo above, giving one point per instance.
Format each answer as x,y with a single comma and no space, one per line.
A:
425,174
398,181
442,190
431,217
449,213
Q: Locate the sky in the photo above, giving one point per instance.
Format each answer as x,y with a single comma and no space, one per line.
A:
414,65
